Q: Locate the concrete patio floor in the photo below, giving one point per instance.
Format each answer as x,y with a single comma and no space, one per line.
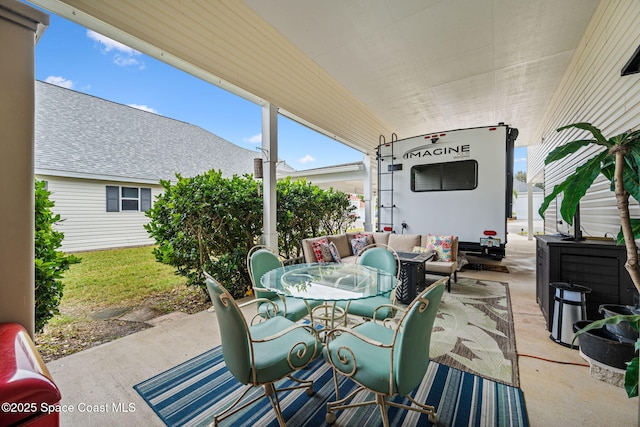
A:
96,381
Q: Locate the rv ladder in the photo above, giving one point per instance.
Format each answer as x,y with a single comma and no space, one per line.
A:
385,184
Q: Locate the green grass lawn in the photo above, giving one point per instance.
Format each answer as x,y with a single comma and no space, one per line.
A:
116,277
121,279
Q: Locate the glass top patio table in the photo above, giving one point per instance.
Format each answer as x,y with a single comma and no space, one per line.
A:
329,281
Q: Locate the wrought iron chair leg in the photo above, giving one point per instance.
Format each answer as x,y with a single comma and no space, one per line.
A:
269,391
339,405
308,384
335,384
272,395
429,410
382,404
233,409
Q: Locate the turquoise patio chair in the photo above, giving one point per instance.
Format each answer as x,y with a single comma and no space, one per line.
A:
387,362
260,260
383,306
261,354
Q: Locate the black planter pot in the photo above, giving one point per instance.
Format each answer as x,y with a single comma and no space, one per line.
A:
622,329
603,346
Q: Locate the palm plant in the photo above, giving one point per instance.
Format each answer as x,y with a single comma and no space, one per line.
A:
619,161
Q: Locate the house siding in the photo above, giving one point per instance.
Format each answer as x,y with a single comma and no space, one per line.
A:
521,205
84,143
86,224
587,93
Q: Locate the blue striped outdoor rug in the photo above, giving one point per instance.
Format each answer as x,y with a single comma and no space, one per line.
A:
192,392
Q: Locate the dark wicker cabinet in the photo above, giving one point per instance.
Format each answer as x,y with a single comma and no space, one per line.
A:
597,264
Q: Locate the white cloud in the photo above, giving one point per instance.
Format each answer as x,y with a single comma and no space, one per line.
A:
109,44
126,61
124,55
307,159
60,81
521,159
255,139
143,108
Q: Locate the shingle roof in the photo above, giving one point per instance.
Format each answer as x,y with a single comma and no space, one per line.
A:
79,134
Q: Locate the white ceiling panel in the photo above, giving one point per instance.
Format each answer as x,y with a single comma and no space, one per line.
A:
426,66
356,69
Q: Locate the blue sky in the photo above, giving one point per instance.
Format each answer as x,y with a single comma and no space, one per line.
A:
72,56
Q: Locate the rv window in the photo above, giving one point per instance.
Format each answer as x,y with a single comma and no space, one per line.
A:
448,176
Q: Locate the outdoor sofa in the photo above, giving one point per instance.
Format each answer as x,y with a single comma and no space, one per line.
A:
343,248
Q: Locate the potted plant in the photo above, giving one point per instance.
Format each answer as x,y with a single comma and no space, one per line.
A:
632,372
618,160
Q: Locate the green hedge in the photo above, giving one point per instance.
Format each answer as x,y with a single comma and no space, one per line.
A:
50,263
210,222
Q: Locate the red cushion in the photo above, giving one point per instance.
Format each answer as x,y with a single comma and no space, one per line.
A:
317,249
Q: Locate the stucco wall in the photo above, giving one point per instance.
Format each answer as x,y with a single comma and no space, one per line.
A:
19,24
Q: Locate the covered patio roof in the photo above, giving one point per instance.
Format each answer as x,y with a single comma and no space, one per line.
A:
347,177
358,70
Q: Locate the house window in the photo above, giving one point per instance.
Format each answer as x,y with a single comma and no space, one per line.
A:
449,176
128,199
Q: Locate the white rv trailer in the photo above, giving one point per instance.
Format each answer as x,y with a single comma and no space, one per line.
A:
457,182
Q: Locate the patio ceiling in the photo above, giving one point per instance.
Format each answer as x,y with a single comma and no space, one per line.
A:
356,70
426,66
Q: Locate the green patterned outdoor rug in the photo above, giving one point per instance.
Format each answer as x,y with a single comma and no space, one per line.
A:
474,331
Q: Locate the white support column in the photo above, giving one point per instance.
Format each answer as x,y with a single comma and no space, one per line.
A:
368,193
19,25
530,210
270,151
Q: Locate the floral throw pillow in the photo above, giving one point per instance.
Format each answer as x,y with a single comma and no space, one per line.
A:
317,250
421,250
359,243
334,252
327,256
368,236
441,245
